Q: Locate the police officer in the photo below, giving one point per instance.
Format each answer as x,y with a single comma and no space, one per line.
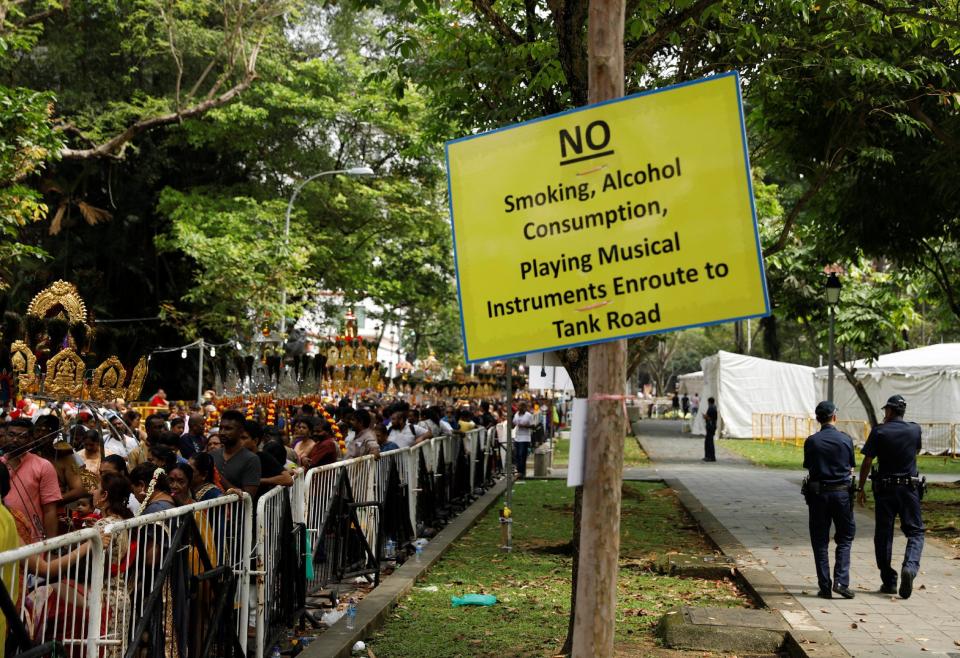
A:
710,417
897,489
829,458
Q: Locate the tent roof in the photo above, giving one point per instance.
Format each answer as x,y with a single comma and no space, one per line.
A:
932,358
692,375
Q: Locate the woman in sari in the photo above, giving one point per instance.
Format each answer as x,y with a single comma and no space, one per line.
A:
181,476
204,484
166,632
302,438
112,499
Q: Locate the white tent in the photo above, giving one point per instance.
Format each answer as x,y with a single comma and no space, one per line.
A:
691,383
743,385
927,377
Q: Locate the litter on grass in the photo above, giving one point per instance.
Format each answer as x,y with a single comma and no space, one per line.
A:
473,599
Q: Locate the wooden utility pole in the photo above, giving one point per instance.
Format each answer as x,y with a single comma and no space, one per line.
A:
600,531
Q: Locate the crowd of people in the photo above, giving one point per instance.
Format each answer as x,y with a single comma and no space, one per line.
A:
66,467
55,460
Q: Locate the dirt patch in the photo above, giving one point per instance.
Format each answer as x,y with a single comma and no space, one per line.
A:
563,509
565,549
643,648
629,493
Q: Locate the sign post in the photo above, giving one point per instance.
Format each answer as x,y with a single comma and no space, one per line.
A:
627,217
594,624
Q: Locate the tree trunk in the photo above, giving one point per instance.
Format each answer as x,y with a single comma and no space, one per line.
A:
575,362
850,374
595,621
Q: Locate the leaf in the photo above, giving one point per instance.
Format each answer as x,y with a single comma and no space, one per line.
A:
57,221
93,215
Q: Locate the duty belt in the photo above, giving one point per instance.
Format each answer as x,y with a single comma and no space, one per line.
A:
899,480
816,487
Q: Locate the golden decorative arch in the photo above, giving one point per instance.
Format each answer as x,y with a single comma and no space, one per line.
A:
59,293
22,358
65,375
108,380
24,362
136,380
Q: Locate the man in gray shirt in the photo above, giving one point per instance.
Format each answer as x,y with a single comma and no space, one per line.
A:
239,468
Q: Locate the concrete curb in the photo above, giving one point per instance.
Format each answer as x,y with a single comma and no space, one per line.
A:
805,639
337,641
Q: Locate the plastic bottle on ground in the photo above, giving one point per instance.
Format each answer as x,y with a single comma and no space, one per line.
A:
351,615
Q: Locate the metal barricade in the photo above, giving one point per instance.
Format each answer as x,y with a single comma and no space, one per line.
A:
52,595
321,486
393,496
156,564
280,573
938,438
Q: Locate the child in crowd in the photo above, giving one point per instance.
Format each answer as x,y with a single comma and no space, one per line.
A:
84,515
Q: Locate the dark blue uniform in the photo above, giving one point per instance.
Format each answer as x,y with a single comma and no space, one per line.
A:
710,418
828,456
895,445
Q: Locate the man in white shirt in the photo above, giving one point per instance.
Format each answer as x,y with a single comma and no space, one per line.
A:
118,440
404,434
523,421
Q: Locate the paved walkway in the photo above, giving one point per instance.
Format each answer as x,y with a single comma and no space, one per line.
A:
762,508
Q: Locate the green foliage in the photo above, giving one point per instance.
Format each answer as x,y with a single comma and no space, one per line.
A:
633,454
789,455
234,243
27,141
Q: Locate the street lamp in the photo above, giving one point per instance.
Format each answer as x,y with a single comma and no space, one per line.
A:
352,171
833,298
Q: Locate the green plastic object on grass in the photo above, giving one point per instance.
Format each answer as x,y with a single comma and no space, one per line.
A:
473,599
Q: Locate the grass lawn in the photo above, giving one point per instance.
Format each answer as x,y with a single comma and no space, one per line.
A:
633,454
532,584
787,455
941,513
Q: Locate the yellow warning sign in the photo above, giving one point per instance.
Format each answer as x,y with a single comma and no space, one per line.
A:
624,218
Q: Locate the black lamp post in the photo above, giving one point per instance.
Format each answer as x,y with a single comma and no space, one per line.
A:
833,298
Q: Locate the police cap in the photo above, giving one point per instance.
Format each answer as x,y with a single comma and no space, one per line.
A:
825,410
897,403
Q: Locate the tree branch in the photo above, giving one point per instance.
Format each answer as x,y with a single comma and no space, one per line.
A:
40,16
924,118
795,213
649,45
941,276
113,148
485,8
915,11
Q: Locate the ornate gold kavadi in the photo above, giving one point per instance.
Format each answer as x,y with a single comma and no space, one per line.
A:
49,352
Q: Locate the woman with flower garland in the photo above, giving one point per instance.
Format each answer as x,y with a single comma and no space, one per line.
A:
152,488
166,635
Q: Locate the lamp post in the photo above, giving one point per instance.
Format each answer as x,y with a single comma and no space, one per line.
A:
201,345
352,171
833,298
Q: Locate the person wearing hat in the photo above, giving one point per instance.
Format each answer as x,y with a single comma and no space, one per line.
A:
829,459
897,490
